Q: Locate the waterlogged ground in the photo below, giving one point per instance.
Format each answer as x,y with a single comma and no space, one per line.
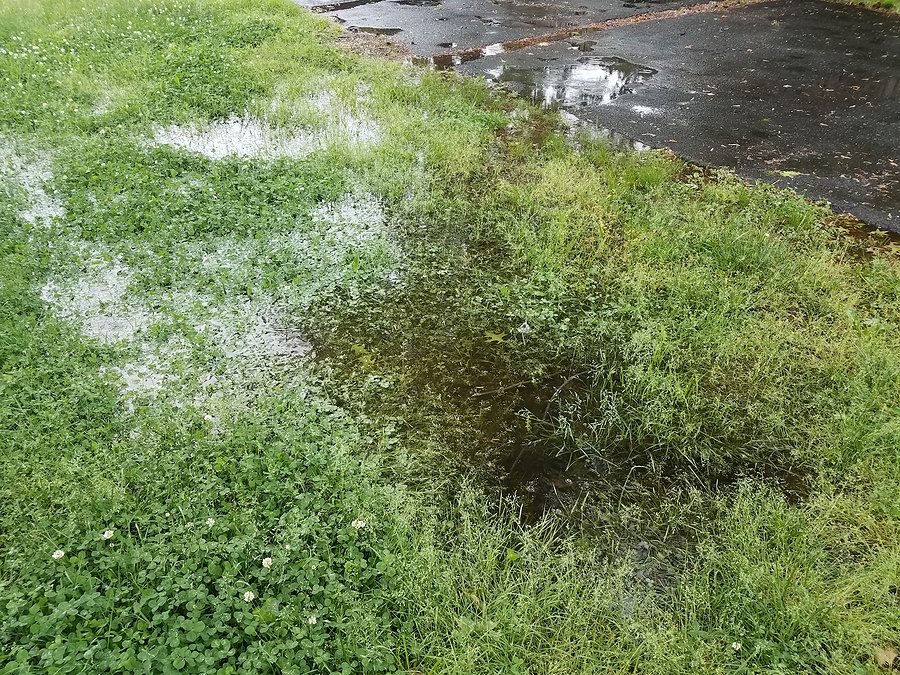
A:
315,363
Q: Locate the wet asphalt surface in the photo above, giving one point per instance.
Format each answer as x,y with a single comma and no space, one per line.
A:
804,94
428,27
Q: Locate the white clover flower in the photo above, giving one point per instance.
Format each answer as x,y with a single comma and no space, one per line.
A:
524,328
189,525
248,596
58,553
267,563
168,514
736,646
311,621
358,524
109,534
210,521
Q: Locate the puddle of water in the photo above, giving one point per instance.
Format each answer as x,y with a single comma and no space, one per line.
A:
249,335
864,240
546,481
589,81
241,136
95,302
351,220
584,45
645,110
353,223
579,129
42,207
143,378
450,61
550,454
252,332
251,137
547,443
377,31
555,442
31,175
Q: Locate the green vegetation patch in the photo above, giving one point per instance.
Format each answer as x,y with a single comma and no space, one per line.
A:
311,363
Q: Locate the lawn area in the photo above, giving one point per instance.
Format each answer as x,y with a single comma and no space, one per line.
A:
316,363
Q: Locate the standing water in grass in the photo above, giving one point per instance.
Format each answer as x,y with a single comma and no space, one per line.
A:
316,363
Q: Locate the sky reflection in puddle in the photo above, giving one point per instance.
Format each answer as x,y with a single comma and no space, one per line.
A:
589,81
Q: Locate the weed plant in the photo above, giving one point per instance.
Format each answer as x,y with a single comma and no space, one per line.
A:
438,388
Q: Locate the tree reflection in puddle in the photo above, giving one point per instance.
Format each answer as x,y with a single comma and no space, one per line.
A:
589,81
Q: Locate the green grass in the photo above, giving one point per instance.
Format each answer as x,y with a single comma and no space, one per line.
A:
889,5
713,367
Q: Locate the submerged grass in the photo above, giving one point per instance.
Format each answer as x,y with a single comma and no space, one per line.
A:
566,410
